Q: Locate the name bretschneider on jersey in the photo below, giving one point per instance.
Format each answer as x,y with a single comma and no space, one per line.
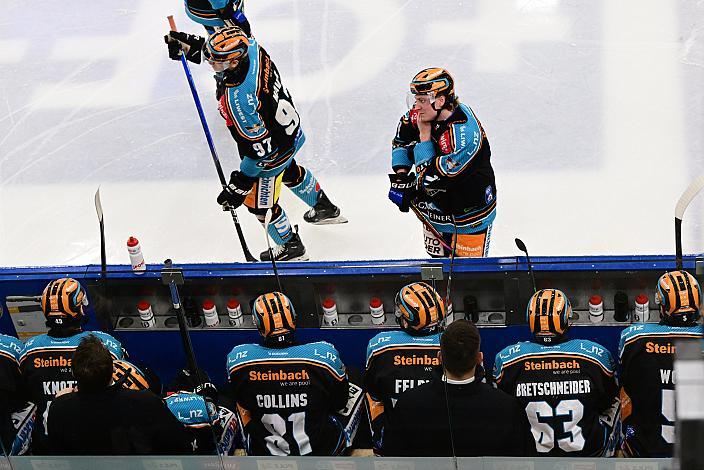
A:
567,387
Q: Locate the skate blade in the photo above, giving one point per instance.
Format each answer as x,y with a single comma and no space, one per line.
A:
303,257
333,220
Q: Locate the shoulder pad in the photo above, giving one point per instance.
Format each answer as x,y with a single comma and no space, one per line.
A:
397,338
191,409
11,346
641,330
110,342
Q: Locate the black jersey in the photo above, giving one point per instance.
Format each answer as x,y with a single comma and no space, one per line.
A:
648,387
10,386
260,115
457,158
396,362
287,398
568,392
45,364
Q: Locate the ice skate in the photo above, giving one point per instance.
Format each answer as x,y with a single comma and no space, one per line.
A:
324,212
292,250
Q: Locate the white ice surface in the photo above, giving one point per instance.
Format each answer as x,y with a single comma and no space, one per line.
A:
594,112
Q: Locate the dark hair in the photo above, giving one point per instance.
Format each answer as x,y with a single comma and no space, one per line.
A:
459,345
92,365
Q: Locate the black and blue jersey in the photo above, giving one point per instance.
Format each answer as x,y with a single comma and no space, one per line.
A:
646,352
287,398
568,392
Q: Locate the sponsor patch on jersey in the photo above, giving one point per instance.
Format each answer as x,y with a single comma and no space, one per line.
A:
50,361
488,194
416,360
445,144
655,348
551,365
279,375
222,107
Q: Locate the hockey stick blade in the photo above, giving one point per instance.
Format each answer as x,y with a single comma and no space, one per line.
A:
267,221
682,204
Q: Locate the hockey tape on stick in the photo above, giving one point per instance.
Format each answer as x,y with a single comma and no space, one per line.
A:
240,235
684,200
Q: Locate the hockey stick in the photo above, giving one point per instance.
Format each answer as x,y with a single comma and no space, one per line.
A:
103,283
681,206
267,221
522,246
428,225
248,256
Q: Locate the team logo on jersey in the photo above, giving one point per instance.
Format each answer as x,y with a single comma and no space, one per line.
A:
488,194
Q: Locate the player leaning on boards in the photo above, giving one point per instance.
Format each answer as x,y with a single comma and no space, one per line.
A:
288,394
566,386
453,185
46,359
647,354
259,112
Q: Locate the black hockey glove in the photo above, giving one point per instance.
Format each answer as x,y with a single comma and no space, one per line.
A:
402,189
236,190
191,44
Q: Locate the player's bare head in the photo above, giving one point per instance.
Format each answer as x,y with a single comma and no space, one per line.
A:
436,86
419,309
275,318
226,48
549,315
459,346
92,364
62,303
680,298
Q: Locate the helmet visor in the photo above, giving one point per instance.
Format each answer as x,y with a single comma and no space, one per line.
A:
420,99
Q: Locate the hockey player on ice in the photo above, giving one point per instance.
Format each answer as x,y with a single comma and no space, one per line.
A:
453,186
214,14
260,114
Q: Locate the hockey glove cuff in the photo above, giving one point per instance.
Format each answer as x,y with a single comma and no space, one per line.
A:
190,44
402,190
234,194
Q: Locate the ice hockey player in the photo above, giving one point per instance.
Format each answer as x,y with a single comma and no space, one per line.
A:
566,386
45,361
453,185
215,14
647,378
259,112
400,360
288,394
10,388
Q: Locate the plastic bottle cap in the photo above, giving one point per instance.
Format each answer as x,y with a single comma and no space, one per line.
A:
595,300
329,303
132,242
375,302
233,303
642,299
143,305
208,305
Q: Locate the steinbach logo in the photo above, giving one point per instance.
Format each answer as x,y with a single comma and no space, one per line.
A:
51,361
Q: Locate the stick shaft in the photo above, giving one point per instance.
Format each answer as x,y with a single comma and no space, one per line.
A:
208,137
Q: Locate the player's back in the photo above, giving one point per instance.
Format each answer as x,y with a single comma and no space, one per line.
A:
397,361
563,389
286,398
646,352
45,364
